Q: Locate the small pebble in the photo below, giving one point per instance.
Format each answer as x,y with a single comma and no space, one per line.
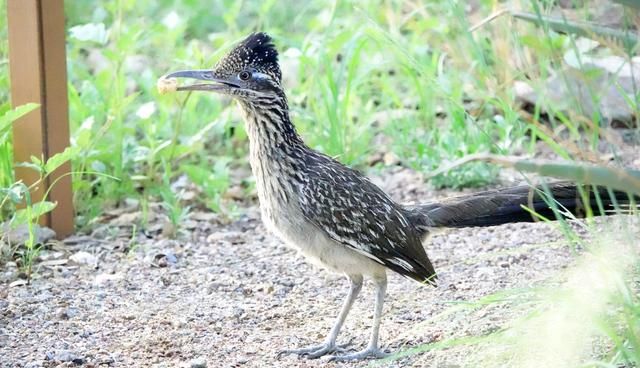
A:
199,362
83,258
35,364
67,313
164,259
65,356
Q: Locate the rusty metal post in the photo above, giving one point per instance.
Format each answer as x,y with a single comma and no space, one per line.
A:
37,64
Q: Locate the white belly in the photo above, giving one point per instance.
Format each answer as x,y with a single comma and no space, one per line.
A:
284,218
315,245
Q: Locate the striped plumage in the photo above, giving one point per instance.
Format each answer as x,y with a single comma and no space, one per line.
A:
297,183
333,214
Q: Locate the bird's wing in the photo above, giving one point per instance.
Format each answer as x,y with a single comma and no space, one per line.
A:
354,212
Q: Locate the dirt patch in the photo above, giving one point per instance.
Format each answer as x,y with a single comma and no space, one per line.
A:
231,295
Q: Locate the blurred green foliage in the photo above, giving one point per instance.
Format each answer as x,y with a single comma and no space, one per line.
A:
362,78
354,72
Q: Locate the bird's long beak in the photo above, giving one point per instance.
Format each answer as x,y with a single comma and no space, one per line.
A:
216,84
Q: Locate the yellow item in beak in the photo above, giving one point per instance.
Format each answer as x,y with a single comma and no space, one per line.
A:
167,85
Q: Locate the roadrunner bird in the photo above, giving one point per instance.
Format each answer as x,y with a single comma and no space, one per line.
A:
332,214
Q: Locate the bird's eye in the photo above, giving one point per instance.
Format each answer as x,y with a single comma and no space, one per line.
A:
244,75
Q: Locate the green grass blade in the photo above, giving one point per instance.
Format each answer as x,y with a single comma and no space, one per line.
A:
584,29
621,179
616,178
630,3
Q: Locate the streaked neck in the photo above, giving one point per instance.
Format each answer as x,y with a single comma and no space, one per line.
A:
276,151
268,124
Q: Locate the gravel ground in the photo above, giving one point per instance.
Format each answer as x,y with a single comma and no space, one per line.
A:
228,294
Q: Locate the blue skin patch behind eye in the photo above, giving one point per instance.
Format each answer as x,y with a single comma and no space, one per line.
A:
258,75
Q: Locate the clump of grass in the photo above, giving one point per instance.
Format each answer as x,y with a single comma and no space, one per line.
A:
582,316
568,322
174,209
16,204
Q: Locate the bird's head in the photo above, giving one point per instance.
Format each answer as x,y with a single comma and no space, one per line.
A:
249,71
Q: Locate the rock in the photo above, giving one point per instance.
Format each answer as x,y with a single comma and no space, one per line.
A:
20,235
604,13
235,192
128,219
205,216
107,277
35,364
65,356
67,313
374,158
199,362
612,79
10,271
390,159
189,224
164,259
83,258
484,273
233,237
242,360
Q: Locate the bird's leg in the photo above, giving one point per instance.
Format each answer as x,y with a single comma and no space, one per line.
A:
372,350
329,346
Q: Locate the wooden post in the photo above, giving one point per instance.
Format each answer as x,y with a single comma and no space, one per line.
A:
37,64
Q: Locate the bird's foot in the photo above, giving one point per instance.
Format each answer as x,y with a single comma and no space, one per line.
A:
370,352
316,351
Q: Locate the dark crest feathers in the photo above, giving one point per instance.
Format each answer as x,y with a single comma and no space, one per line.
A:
260,46
256,51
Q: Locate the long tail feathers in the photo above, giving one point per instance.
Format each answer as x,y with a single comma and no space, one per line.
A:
503,206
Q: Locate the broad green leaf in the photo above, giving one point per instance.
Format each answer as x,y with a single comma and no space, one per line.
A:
15,193
58,159
36,160
197,174
12,115
29,214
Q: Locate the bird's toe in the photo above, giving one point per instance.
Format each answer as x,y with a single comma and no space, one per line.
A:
317,351
368,353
